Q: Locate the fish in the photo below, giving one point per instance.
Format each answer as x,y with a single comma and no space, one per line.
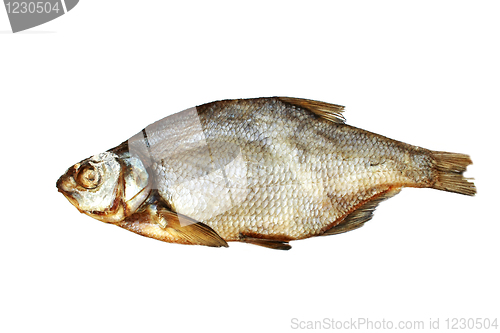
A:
263,171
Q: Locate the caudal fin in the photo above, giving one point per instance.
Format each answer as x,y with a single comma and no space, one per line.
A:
450,168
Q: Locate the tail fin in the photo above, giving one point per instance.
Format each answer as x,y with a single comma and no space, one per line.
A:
450,168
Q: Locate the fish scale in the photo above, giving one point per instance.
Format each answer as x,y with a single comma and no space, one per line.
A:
310,218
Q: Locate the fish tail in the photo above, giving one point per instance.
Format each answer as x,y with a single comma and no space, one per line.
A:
450,168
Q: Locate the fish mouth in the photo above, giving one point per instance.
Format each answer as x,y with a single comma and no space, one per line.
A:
63,185
72,200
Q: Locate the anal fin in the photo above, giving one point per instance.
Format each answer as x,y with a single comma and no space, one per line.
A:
357,218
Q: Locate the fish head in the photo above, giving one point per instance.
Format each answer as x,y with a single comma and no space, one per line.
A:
108,186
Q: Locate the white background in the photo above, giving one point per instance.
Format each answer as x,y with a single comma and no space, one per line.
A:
423,72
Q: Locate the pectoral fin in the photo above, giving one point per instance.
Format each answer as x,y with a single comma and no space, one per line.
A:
168,226
190,231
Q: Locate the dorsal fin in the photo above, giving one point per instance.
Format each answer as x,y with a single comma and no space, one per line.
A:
357,218
324,110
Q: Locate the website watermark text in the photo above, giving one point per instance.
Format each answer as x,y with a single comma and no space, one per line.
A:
385,324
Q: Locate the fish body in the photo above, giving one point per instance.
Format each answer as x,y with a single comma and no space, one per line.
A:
263,171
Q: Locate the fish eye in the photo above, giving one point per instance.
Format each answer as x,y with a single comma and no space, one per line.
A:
88,177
